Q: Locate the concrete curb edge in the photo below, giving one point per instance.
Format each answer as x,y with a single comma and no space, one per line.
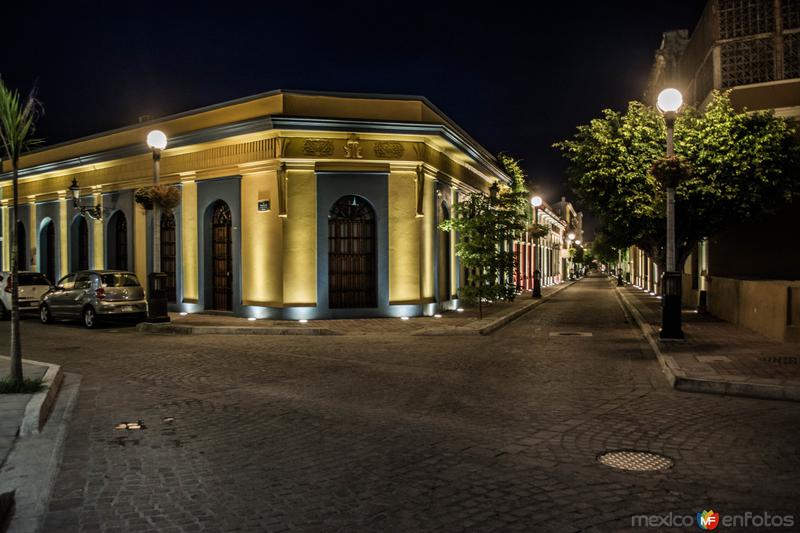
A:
41,403
179,329
679,380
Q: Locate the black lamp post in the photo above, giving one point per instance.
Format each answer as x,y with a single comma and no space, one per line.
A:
669,102
156,280
536,201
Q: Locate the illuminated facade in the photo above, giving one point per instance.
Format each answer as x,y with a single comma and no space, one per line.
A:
293,205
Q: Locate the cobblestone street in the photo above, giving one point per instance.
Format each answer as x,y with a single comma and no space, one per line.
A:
390,432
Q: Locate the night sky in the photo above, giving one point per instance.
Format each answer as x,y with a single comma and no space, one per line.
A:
516,78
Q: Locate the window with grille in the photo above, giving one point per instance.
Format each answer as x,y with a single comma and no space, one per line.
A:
791,56
790,12
746,62
738,18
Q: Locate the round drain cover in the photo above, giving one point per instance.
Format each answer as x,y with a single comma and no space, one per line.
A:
636,461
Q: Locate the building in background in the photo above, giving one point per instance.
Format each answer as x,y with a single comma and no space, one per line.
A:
293,205
748,274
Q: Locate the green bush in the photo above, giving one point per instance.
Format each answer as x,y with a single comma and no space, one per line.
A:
26,386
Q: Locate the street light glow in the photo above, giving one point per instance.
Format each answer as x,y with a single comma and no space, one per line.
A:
578,242
669,100
157,140
536,201
571,236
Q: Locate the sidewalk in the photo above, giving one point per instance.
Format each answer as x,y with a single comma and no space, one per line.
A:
12,407
717,357
466,322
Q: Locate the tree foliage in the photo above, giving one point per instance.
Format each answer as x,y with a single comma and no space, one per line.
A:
17,125
486,226
736,164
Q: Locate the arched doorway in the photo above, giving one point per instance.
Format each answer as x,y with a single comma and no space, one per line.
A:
445,265
352,269
117,242
168,253
221,258
79,237
22,247
47,250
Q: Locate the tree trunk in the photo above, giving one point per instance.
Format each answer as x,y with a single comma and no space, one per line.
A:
16,345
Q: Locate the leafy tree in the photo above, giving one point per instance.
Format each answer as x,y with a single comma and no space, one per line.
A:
740,165
17,121
487,225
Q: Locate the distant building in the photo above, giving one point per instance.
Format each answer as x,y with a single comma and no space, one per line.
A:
748,274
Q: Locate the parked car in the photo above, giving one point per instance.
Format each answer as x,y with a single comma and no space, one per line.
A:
32,286
93,296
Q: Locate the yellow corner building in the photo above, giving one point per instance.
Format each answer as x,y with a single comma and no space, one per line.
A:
293,205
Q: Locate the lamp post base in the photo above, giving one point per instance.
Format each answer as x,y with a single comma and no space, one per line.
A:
537,289
671,306
157,297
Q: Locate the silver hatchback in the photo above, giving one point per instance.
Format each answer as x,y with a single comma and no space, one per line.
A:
95,295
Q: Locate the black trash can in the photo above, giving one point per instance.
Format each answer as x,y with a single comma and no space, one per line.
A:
157,297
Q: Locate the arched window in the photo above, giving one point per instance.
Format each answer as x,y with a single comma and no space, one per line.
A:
47,250
79,237
352,269
445,261
22,247
221,257
117,238
168,252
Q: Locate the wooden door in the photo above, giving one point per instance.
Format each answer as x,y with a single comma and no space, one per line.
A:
221,259
352,269
168,251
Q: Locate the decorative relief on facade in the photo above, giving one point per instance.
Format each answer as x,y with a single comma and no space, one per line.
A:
318,147
389,150
352,148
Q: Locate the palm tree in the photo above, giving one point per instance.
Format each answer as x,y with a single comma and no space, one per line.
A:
17,120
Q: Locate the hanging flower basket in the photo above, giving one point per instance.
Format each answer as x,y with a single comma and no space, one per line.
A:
538,231
167,197
671,171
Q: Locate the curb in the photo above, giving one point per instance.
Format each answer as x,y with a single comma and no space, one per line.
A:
177,329
41,403
497,323
679,380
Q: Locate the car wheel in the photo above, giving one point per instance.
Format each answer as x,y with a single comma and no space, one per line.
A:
89,318
44,315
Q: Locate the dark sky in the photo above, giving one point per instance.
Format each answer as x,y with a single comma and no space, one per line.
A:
517,78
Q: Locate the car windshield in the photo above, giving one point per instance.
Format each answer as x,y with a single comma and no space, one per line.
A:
120,280
32,278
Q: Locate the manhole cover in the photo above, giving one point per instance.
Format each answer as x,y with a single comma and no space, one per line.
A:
781,360
636,461
570,334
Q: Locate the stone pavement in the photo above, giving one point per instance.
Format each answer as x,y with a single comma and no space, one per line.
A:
405,433
12,408
720,357
464,320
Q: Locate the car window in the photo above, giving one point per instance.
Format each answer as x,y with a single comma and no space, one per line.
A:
120,279
68,282
32,278
82,281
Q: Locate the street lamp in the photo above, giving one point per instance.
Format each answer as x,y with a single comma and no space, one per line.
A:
94,212
669,103
156,290
536,202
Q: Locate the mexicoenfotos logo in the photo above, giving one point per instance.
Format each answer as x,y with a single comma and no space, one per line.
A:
707,520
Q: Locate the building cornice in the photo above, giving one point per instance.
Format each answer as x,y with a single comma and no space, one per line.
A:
267,123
